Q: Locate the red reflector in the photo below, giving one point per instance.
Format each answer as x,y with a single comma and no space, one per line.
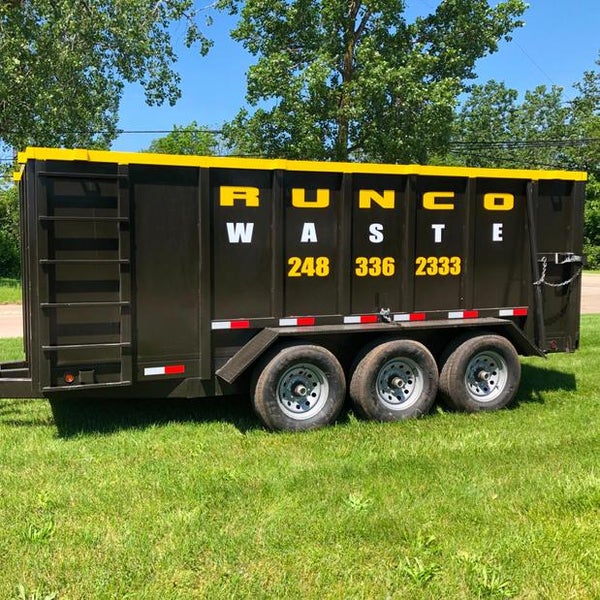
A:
174,369
306,321
369,319
470,314
417,316
520,312
240,324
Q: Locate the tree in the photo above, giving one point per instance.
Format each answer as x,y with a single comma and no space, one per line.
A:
186,139
64,64
484,126
492,129
10,258
585,121
344,79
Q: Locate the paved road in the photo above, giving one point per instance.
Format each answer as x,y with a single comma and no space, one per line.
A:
11,323
590,294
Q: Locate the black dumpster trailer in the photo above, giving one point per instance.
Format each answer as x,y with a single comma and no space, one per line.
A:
174,276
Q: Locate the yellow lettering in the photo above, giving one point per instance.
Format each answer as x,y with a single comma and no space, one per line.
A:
299,199
437,265
430,201
309,266
498,201
228,194
385,200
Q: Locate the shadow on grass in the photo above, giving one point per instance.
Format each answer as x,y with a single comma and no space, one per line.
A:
75,417
537,380
24,413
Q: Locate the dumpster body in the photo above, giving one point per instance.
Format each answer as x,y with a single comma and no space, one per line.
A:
165,276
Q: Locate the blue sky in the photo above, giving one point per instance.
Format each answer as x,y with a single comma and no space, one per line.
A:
560,40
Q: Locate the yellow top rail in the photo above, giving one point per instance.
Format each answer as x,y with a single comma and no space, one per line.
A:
146,158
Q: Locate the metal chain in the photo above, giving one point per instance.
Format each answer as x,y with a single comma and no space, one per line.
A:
542,279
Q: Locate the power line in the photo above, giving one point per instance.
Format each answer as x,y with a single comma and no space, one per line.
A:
133,131
564,141
525,143
533,62
465,147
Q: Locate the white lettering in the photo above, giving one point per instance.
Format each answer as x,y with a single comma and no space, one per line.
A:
240,232
376,231
437,232
497,233
309,233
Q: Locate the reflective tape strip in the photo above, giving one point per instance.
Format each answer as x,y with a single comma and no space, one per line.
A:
372,318
513,312
361,319
230,324
297,322
154,371
166,370
463,314
421,316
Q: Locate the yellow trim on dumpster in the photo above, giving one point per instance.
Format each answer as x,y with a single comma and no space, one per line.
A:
224,162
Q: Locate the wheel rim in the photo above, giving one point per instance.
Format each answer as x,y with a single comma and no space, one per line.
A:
302,391
399,383
486,376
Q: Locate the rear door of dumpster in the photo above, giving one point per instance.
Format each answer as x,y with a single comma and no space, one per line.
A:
81,297
558,223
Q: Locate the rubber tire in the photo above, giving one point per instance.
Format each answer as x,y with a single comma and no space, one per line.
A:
268,375
453,388
364,381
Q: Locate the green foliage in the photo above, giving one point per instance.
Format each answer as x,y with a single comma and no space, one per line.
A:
64,65
178,498
585,110
592,254
10,261
340,80
23,594
592,224
493,128
418,572
186,139
592,212
486,580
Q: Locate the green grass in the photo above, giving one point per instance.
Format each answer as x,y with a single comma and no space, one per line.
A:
11,349
10,291
193,499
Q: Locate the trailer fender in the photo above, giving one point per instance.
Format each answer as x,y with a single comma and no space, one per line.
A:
248,354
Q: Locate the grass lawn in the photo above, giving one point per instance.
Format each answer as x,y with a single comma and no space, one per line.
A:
10,291
193,499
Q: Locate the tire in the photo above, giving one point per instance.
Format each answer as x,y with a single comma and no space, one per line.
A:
480,373
299,387
394,381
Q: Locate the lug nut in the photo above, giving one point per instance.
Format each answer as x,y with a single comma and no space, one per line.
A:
300,390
